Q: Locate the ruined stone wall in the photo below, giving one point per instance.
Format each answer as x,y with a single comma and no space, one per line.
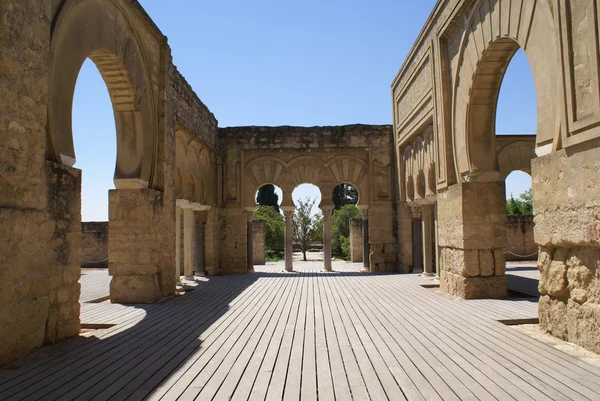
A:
566,203
519,237
258,242
360,155
356,240
94,244
189,114
39,200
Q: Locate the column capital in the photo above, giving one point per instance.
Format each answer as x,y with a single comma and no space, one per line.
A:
181,202
364,211
288,211
250,213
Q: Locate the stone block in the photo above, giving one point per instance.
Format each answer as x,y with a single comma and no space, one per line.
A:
487,264
553,280
138,289
22,327
552,315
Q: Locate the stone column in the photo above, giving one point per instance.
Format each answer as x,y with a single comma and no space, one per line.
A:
189,241
178,205
436,243
427,235
364,214
201,217
327,237
356,240
472,238
288,213
249,244
405,238
140,246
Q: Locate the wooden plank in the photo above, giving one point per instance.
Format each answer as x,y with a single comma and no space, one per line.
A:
200,368
269,341
293,380
269,365
325,367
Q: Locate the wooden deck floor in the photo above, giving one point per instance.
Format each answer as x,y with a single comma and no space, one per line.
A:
307,335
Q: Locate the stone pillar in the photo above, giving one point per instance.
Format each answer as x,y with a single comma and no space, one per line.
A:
249,244
356,240
327,237
427,235
141,261
405,238
436,243
258,240
472,238
189,241
200,217
364,214
417,237
178,205
288,213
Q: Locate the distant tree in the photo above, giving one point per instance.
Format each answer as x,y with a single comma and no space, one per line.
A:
344,194
527,201
274,225
267,196
521,206
307,227
340,230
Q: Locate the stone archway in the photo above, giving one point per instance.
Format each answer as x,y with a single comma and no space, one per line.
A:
105,34
114,36
323,156
494,32
452,77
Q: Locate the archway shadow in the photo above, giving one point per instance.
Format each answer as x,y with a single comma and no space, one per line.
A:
133,357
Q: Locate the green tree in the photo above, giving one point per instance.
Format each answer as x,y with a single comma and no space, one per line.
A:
527,201
266,196
307,227
274,226
344,194
340,230
523,205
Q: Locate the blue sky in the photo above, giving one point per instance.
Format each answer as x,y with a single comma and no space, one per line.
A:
281,63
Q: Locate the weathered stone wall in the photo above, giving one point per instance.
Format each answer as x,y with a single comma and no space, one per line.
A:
567,227
258,242
360,155
39,200
193,121
94,244
232,240
519,237
356,242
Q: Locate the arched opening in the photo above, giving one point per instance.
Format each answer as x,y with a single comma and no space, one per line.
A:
268,227
94,137
308,226
515,126
489,142
521,253
346,225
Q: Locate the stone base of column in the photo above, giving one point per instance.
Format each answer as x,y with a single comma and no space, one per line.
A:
140,251
427,274
473,287
473,273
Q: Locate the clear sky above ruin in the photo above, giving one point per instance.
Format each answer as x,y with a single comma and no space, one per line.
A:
282,62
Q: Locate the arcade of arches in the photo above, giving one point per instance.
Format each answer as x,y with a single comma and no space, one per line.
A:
185,188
